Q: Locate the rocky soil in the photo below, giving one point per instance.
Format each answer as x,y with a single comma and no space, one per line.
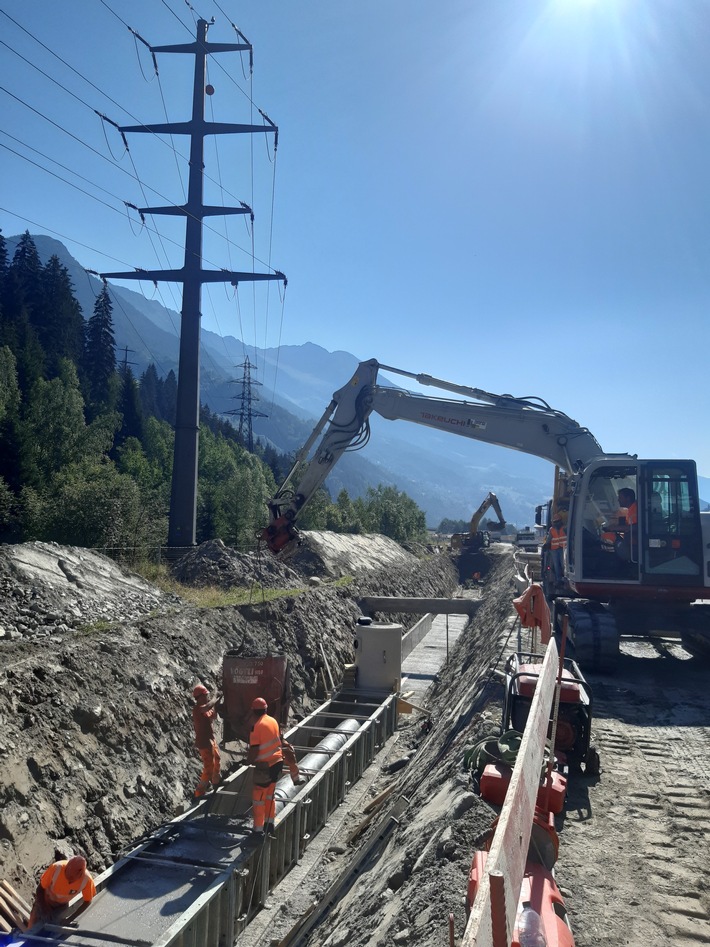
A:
96,674
96,742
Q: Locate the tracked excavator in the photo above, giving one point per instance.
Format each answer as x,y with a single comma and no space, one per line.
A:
476,538
637,558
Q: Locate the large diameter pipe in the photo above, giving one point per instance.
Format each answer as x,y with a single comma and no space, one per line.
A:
314,761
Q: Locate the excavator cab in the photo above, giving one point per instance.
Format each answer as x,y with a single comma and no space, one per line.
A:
637,523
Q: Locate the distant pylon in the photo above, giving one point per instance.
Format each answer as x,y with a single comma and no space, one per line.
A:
246,412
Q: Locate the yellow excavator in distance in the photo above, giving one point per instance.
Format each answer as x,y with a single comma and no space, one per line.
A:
476,539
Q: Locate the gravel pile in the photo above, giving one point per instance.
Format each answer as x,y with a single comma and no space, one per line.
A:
213,563
47,590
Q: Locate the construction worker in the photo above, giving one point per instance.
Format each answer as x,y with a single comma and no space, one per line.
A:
556,542
629,507
626,526
266,755
203,715
59,883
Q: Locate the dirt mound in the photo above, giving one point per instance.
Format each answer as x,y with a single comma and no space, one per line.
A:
213,563
337,554
48,590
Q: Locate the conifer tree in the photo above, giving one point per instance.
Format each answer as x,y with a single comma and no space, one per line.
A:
61,330
27,268
100,352
18,333
149,387
3,258
168,398
129,406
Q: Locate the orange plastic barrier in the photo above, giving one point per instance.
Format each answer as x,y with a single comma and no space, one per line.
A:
495,780
538,893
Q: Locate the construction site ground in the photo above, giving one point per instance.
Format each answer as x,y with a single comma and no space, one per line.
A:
96,669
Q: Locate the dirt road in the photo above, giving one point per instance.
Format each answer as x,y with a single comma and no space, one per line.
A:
635,843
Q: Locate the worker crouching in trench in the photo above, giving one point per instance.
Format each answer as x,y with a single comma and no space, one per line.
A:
59,884
266,755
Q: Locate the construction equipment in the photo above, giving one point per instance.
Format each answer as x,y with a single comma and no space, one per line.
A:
635,569
541,917
574,717
526,539
476,538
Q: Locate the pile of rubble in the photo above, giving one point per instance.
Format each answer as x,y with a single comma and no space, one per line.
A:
47,590
213,563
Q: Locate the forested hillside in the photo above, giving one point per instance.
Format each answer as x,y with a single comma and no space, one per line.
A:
86,448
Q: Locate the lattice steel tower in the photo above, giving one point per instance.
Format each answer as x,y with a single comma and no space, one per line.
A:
246,412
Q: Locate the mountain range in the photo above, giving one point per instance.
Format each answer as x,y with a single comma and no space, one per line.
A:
446,476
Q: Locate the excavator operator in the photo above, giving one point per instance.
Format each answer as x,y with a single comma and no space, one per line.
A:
626,525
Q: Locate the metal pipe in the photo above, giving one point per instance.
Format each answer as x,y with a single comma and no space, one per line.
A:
315,761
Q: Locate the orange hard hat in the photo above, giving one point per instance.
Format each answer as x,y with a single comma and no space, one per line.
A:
199,691
259,704
76,866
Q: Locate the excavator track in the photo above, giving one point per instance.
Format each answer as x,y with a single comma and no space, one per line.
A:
592,631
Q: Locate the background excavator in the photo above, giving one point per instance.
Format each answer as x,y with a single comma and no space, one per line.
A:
467,546
476,538
634,564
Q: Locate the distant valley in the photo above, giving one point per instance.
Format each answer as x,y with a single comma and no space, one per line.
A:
446,475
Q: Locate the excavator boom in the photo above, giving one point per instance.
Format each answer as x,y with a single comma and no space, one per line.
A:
524,424
639,563
490,501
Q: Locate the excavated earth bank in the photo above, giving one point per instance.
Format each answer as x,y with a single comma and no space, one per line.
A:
96,673
97,669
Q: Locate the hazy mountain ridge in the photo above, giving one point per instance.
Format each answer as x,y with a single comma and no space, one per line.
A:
447,476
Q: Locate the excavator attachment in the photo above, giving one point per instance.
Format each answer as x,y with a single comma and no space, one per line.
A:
281,536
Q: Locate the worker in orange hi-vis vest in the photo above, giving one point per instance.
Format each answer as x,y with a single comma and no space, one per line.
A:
556,543
629,508
203,715
59,883
266,754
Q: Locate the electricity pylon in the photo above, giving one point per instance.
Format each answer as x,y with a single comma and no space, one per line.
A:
183,498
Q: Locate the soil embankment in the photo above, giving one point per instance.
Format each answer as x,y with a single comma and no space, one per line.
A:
97,674
96,744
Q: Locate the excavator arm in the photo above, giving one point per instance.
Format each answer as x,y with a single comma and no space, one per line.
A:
524,424
490,501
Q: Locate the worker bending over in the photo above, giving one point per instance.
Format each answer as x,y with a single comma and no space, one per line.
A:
59,883
203,715
266,755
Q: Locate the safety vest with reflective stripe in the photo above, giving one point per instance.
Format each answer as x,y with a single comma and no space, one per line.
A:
558,538
60,890
265,734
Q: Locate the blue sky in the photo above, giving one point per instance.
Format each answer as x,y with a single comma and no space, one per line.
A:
510,194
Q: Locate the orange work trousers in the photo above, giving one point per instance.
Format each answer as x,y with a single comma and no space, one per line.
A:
263,807
211,762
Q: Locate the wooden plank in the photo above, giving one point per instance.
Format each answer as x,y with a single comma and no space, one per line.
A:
10,914
378,800
506,859
16,898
